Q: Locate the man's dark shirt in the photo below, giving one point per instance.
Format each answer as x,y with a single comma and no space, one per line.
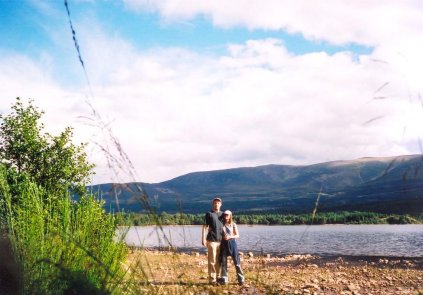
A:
214,222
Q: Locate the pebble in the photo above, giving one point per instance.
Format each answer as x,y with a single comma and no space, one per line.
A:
311,286
352,287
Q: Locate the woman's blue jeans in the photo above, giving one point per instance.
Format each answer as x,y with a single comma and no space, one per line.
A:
229,248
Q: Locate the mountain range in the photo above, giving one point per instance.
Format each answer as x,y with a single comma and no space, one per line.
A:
385,185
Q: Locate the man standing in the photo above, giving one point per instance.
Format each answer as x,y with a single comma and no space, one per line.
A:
211,238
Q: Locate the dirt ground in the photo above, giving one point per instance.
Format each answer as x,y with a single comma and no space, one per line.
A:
158,272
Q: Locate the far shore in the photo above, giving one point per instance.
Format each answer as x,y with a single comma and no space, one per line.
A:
242,224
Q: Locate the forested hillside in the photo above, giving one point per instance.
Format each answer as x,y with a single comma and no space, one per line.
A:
385,185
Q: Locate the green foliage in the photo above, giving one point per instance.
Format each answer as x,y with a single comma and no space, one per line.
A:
343,217
62,246
53,162
402,219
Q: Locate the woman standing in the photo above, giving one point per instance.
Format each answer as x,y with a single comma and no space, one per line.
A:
229,248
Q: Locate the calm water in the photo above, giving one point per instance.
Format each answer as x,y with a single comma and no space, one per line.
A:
368,240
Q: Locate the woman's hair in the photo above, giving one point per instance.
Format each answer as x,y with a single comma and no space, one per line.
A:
230,216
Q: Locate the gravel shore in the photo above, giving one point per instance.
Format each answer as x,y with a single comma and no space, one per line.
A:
161,272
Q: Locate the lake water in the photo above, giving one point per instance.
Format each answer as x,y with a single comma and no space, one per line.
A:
355,240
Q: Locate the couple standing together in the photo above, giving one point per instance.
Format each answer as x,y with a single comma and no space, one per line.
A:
218,235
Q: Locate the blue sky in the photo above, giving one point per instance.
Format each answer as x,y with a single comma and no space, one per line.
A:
24,26
197,85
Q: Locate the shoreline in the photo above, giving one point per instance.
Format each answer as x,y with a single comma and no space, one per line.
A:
375,259
257,253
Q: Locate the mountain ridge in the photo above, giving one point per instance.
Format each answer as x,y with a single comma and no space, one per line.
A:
385,185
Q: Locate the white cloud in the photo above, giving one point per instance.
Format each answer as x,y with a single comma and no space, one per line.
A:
25,78
339,22
392,28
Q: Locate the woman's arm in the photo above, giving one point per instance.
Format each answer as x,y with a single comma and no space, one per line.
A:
236,233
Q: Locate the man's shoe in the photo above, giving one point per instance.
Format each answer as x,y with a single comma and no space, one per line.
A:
241,283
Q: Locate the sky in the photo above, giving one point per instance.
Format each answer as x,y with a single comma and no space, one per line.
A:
172,87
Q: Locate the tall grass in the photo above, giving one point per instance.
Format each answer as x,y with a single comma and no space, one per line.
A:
61,246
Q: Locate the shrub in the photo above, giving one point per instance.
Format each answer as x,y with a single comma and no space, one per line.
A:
66,247
61,245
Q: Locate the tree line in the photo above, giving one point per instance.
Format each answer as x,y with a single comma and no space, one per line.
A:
344,217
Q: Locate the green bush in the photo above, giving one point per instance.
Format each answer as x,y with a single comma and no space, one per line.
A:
61,245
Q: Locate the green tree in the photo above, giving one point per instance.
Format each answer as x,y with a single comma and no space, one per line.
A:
53,162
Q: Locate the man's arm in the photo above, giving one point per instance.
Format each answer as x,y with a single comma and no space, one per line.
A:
204,232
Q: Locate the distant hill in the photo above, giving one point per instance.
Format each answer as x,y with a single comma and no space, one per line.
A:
385,185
